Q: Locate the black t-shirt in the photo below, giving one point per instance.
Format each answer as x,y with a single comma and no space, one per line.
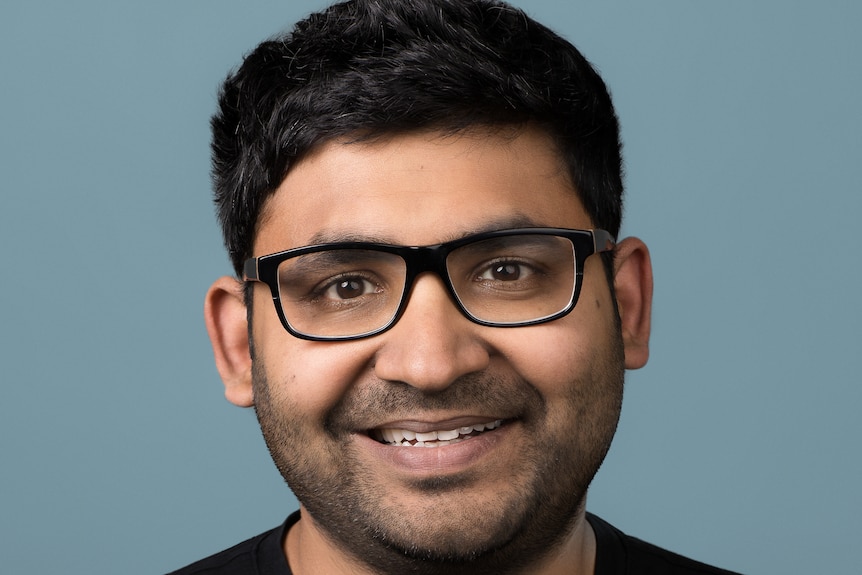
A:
616,554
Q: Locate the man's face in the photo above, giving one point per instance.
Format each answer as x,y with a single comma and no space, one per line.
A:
547,396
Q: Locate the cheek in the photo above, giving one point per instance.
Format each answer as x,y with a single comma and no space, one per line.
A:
310,376
577,347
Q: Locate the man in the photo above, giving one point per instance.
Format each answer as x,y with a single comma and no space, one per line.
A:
433,318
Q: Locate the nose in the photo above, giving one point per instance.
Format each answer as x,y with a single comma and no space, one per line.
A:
432,344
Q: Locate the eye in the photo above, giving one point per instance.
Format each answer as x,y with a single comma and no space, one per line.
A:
345,288
505,271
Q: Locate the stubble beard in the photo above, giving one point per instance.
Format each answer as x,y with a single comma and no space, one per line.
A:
316,462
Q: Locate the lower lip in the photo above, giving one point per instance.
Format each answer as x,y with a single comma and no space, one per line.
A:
445,459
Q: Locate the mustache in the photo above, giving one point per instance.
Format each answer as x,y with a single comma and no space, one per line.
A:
371,404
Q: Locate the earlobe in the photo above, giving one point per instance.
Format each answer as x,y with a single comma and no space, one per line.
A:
227,325
633,285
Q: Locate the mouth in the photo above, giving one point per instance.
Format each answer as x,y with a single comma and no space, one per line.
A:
434,438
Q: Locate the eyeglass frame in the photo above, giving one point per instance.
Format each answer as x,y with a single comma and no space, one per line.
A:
431,258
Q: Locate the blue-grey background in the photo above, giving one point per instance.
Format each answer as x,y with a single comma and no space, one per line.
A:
739,442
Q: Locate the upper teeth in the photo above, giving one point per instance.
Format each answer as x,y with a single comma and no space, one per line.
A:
408,438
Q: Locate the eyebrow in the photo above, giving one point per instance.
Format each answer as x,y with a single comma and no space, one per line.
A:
317,262
517,220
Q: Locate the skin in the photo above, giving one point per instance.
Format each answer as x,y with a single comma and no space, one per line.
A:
508,501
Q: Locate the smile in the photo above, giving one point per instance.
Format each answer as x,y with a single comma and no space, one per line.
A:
408,438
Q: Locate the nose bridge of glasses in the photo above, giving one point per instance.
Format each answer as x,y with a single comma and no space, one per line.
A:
426,259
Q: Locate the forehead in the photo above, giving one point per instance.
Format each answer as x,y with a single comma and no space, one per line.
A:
419,189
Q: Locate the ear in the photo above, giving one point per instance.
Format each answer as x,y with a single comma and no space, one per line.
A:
633,287
227,325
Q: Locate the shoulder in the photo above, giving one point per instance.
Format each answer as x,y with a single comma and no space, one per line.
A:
260,555
621,554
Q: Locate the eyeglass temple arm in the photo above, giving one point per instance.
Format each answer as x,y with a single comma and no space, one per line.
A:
249,270
603,241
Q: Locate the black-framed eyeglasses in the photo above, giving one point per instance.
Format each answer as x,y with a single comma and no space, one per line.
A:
503,278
